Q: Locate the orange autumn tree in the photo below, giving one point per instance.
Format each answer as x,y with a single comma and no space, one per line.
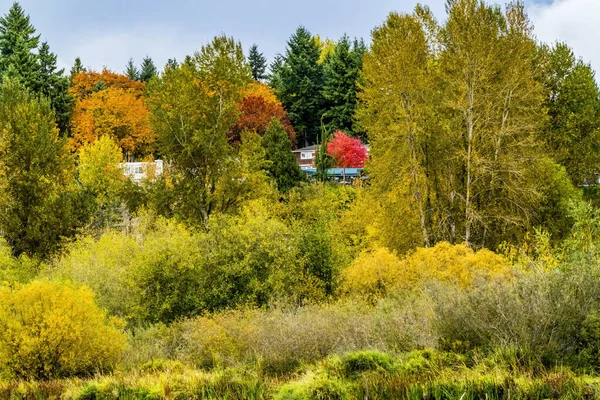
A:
111,104
257,109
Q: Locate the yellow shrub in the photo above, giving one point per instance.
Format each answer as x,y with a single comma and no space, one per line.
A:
373,273
378,270
454,264
50,330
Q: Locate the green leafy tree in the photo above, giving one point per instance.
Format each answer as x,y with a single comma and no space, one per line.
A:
342,73
147,70
453,113
193,108
300,82
573,101
284,169
39,206
132,71
258,63
101,175
55,85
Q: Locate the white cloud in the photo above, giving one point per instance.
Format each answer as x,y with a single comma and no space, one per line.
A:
576,22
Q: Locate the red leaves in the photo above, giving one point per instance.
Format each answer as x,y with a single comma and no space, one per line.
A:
257,109
346,151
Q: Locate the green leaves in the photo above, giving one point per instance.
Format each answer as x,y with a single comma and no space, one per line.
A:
193,107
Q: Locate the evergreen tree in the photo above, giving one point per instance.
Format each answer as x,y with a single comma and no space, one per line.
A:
171,63
342,73
54,85
132,71
258,64
17,36
284,169
77,68
17,42
300,85
148,70
275,67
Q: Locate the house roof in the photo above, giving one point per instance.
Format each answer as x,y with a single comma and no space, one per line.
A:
314,147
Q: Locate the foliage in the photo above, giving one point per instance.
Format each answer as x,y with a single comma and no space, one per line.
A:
284,169
573,101
299,85
18,43
347,152
39,204
258,108
77,68
342,70
483,124
101,175
131,71
147,70
376,272
117,111
193,108
52,330
258,64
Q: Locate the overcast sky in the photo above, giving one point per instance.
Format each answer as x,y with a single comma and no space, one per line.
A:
109,32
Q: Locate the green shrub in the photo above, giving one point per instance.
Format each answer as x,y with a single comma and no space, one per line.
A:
363,361
50,330
316,387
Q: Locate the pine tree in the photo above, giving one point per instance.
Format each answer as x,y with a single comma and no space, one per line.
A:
17,42
54,85
284,169
342,73
275,67
171,63
300,85
258,64
132,71
77,68
147,70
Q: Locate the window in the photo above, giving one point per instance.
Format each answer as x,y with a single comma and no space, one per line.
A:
306,155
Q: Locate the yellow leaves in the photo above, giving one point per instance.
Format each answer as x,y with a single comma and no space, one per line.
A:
99,167
50,330
378,271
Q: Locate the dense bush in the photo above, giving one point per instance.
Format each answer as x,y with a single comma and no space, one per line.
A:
377,271
50,330
540,314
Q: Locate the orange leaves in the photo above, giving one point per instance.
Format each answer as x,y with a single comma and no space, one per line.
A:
257,109
84,83
115,107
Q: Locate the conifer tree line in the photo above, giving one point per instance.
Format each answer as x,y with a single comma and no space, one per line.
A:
477,133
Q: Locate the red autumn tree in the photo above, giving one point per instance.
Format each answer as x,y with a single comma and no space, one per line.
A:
347,152
257,109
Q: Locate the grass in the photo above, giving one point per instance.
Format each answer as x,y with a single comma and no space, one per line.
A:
418,375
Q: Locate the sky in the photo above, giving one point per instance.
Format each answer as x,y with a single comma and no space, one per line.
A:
109,32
